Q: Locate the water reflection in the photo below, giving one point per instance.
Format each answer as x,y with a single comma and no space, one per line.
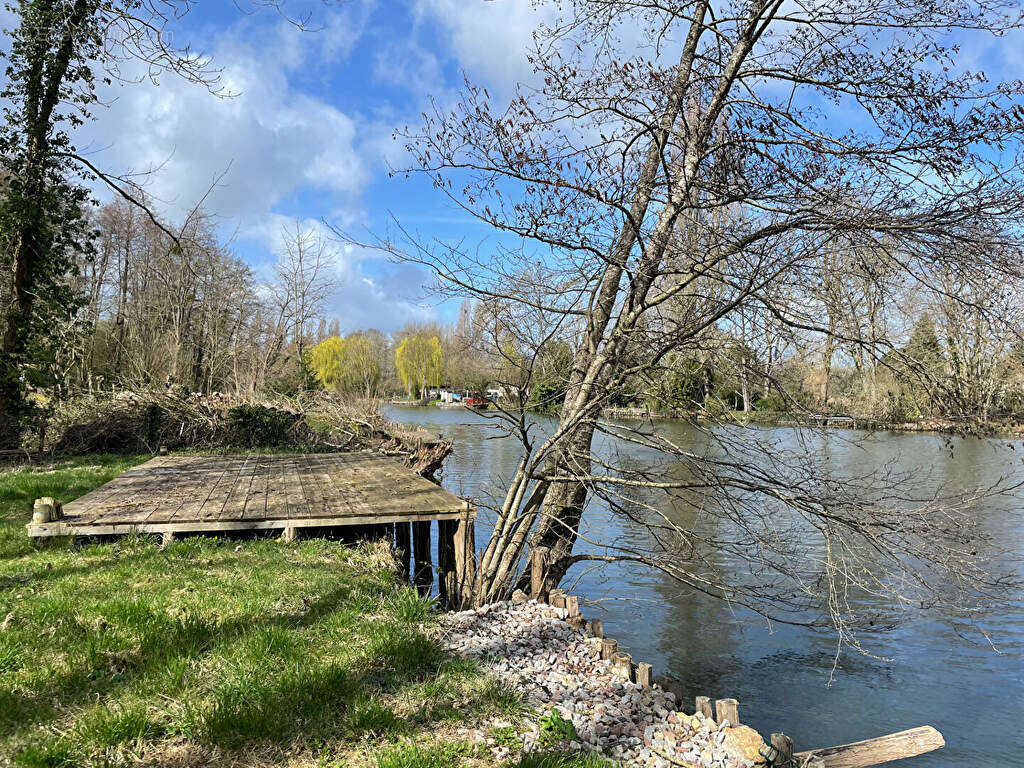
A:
781,673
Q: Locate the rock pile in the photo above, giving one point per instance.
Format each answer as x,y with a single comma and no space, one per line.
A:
529,645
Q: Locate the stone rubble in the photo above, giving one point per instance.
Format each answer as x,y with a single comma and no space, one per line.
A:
529,645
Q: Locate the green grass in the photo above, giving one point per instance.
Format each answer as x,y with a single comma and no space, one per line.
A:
122,653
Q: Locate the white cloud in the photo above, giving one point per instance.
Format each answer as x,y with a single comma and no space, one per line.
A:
490,39
271,138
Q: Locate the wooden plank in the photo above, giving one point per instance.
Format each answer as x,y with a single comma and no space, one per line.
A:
234,507
292,489
139,500
63,528
224,489
214,473
126,483
861,754
256,502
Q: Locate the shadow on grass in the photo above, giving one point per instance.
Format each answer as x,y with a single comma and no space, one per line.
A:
270,683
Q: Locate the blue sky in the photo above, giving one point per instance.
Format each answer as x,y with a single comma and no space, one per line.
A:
308,132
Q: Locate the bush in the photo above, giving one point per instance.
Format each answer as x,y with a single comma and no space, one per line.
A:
256,425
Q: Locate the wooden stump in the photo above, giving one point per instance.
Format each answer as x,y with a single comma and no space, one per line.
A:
609,648
403,548
572,605
643,674
166,538
622,664
557,598
703,706
597,628
46,510
423,570
289,534
727,709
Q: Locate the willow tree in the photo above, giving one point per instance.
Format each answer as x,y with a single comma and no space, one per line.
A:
672,164
419,360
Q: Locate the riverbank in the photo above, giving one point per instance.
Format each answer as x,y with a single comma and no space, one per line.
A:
591,706
229,653
789,419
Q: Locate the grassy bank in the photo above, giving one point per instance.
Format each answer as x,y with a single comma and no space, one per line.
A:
222,652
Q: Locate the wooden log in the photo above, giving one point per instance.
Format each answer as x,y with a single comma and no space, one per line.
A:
557,598
609,648
643,674
597,628
44,510
423,571
539,573
727,709
403,548
447,586
861,754
783,746
703,706
622,665
572,605
465,559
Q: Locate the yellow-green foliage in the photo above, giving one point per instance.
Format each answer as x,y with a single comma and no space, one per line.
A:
419,361
348,364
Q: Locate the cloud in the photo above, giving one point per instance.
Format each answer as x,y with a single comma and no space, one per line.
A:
489,39
269,140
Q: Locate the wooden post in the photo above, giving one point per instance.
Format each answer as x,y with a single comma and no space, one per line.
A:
643,674
572,605
783,746
290,533
403,548
703,704
423,571
447,584
166,538
538,573
727,709
622,664
465,559
597,628
608,648
47,510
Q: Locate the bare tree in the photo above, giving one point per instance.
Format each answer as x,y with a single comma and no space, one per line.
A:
686,152
303,282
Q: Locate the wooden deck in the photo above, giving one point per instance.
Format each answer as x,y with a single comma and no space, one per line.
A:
210,494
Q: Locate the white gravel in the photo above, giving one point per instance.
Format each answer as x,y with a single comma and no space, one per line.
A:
529,645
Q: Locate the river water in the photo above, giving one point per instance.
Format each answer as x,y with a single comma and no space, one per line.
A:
783,676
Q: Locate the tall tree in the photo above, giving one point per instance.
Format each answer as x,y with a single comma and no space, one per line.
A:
647,118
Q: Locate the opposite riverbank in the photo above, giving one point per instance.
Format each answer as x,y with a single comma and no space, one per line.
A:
790,419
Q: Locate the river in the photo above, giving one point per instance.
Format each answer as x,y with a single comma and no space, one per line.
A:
783,675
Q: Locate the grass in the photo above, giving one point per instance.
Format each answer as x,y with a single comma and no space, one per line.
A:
219,652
